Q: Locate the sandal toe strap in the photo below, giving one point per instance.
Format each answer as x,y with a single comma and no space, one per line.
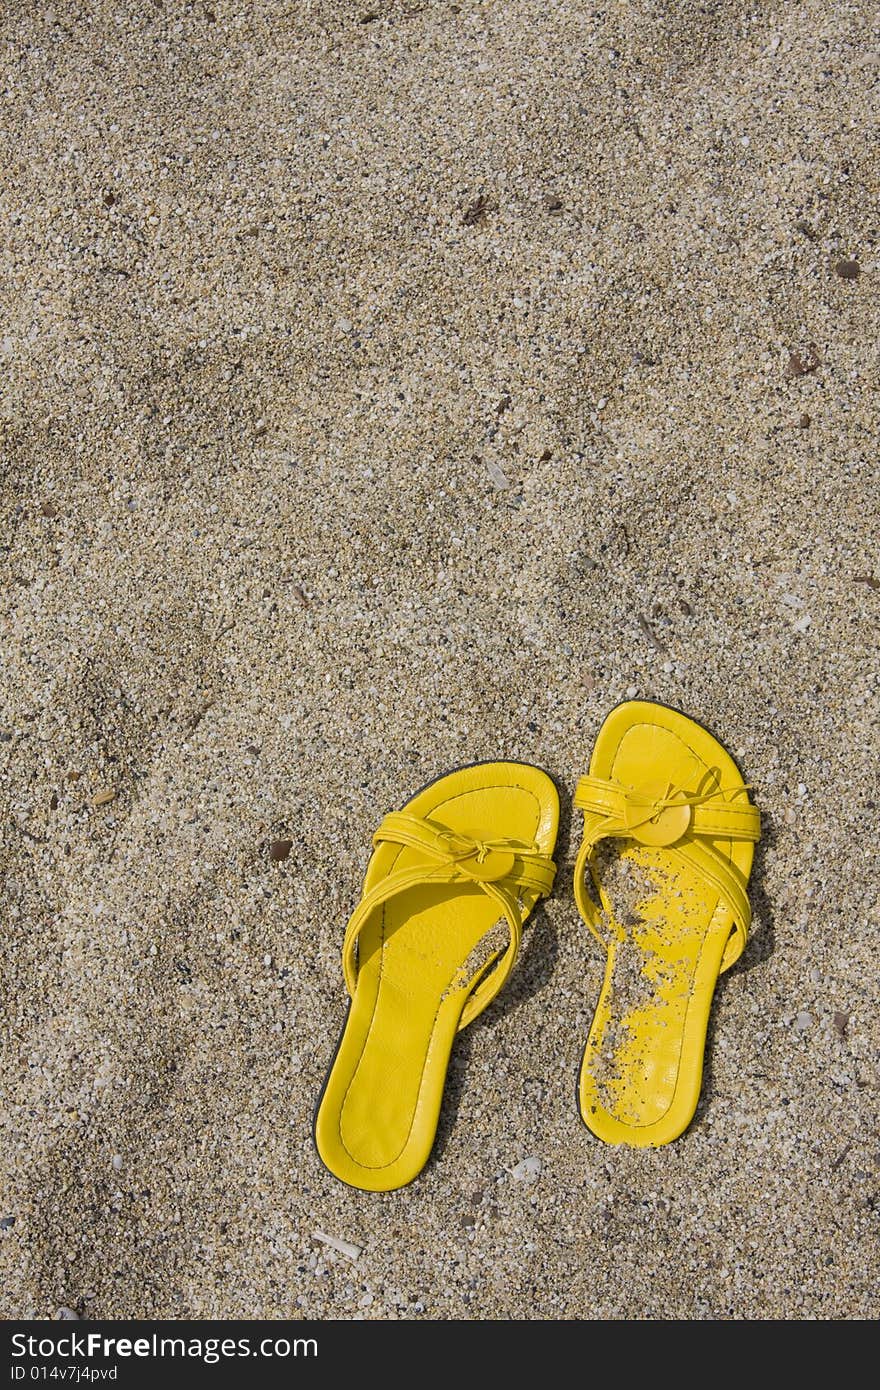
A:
502,868
684,822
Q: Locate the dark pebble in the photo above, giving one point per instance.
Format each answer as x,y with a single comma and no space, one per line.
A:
6,1223
802,363
848,270
280,849
805,422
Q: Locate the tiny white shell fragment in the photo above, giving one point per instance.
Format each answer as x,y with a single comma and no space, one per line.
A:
527,1170
345,1247
497,478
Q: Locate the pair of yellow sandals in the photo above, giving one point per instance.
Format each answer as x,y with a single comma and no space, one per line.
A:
453,877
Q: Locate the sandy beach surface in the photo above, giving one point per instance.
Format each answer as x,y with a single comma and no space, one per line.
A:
385,387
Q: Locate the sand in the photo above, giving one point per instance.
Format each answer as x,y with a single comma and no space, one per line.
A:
389,386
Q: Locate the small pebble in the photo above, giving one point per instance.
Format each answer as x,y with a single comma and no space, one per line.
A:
803,363
497,478
848,270
280,849
527,1170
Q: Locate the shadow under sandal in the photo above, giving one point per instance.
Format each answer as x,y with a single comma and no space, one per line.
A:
668,840
451,880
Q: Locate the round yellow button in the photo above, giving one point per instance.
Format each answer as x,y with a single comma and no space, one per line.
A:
496,863
665,826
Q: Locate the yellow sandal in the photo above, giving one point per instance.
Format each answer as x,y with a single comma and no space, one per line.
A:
451,880
675,913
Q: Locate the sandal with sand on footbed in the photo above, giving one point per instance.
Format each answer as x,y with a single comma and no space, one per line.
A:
672,878
451,880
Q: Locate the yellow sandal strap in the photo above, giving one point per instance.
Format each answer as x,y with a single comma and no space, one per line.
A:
710,814
729,883
458,858
679,821
489,984
588,910
478,858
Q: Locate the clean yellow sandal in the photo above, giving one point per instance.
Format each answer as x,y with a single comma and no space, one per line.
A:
450,882
672,880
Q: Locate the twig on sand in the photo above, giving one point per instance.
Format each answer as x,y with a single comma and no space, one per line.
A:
650,633
840,1157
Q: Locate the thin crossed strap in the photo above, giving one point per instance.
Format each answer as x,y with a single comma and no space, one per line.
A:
496,866
685,823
